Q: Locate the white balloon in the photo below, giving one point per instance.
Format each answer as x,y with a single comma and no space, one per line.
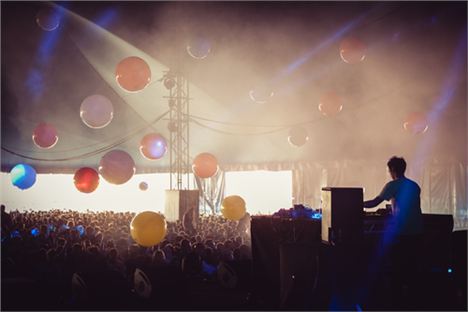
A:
199,48
48,19
96,111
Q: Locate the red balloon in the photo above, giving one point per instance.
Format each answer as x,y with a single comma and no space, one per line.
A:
352,50
117,167
416,122
133,74
153,146
45,135
205,165
330,104
86,180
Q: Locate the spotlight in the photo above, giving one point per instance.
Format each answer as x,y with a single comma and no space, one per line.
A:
172,126
172,103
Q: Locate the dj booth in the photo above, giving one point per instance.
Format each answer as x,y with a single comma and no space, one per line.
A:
298,262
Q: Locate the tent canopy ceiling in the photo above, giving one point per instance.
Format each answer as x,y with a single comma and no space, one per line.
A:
415,61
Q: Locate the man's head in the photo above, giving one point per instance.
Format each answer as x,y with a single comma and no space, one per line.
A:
396,167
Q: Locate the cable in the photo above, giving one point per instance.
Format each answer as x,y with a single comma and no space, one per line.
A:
233,133
92,153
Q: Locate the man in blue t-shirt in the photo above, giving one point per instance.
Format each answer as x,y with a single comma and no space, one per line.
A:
405,197
402,240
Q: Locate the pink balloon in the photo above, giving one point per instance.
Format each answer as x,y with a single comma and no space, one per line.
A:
298,136
117,167
153,146
143,186
96,111
330,104
416,123
45,135
352,50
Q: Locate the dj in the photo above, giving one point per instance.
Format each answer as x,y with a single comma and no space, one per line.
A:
405,197
404,234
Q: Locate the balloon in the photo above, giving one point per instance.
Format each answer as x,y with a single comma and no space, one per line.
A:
199,48
298,136
148,228
117,167
86,180
205,165
169,83
330,104
48,19
260,95
133,74
233,208
153,146
143,186
96,111
35,232
416,123
45,135
352,50
23,176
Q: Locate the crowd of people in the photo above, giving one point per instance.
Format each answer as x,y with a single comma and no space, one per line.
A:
47,248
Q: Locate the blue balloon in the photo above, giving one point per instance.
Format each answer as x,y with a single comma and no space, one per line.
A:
35,232
23,176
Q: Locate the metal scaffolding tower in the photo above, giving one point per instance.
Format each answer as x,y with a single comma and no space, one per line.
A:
178,125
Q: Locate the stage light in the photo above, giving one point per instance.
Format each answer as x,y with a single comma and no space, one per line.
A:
169,82
172,126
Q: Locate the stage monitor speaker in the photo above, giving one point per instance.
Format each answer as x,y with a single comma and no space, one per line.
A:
179,202
342,214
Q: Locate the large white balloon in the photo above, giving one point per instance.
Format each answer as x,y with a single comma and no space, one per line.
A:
96,111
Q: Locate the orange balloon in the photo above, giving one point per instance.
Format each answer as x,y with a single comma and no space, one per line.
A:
330,104
352,50
148,228
205,165
233,208
133,74
416,123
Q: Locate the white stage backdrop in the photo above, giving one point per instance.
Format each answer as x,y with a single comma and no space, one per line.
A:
266,188
264,192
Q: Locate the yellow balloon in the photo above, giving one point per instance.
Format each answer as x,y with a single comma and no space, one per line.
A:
233,208
148,228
